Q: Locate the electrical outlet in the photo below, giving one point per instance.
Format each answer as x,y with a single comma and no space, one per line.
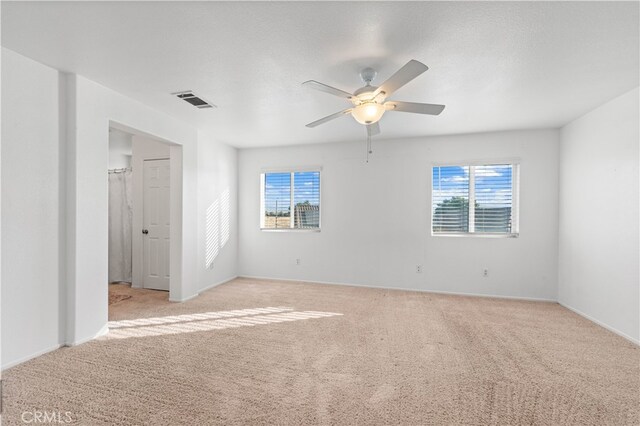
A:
485,272
418,269
298,262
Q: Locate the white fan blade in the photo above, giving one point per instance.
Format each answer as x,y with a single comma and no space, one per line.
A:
418,108
373,129
329,118
327,89
408,72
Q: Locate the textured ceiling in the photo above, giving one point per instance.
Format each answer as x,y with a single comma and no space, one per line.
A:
496,65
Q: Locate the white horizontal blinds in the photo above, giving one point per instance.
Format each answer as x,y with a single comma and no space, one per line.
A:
306,199
277,200
493,198
450,199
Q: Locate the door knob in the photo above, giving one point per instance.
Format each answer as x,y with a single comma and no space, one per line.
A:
145,231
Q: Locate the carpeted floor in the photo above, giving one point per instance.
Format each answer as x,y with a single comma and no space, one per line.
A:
115,298
117,292
144,298
269,352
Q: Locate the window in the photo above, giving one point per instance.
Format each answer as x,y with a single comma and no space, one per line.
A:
475,199
290,200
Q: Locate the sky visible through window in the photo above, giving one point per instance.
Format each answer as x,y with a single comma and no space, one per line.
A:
277,192
484,206
306,190
493,184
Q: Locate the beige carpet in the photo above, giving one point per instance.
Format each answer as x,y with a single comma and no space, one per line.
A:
118,292
115,298
144,298
391,357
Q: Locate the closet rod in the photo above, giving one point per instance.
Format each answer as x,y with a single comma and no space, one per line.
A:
120,170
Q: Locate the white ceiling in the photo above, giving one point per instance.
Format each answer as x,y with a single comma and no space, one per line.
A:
496,65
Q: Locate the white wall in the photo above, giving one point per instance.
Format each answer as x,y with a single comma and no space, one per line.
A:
376,218
120,149
143,149
55,199
32,198
217,212
92,109
599,242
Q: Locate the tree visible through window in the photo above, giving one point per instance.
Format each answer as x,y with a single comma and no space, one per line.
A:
474,199
290,200
277,200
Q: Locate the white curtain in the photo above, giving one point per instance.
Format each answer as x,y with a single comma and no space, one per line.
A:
120,214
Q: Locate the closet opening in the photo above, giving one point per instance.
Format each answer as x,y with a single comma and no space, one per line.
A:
140,200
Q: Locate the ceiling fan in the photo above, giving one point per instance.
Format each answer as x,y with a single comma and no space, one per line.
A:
370,102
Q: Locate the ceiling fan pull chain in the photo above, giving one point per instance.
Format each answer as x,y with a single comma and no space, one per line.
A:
366,156
369,151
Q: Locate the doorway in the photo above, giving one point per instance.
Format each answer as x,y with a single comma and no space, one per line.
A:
120,215
120,207
141,205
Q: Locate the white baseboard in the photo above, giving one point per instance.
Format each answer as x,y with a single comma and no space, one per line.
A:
30,356
202,290
209,287
104,330
420,290
184,299
601,324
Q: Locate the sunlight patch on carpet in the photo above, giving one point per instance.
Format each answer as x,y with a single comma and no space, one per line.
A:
146,327
195,317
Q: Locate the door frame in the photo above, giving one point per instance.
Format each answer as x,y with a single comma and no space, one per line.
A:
173,153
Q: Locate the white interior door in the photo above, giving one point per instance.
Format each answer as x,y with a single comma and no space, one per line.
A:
156,225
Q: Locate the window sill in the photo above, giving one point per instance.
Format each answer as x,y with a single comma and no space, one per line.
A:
475,235
290,229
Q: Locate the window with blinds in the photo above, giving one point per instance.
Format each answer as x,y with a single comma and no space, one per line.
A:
450,199
475,199
277,200
290,200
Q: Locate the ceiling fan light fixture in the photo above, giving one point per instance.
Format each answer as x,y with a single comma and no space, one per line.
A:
368,112
370,102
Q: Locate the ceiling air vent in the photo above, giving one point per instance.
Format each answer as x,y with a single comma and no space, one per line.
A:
194,100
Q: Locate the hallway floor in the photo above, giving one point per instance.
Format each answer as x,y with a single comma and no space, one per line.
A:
138,299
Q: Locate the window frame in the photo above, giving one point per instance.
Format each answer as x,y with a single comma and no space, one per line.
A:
515,198
291,171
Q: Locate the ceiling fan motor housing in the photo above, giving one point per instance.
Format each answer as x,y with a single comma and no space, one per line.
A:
368,75
365,93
